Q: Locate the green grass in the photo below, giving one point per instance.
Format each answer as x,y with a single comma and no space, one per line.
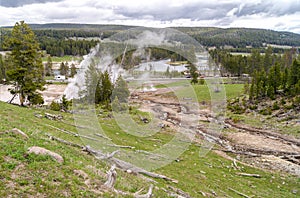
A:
203,93
24,175
183,89
63,58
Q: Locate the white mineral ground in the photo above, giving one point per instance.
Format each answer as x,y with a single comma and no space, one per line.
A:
51,92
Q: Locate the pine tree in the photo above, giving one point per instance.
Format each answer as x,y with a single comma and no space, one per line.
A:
66,69
2,69
284,79
274,80
48,67
120,90
107,87
294,77
73,71
194,74
92,84
268,59
26,70
62,69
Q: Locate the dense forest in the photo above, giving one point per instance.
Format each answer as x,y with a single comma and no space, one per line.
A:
61,42
236,65
241,37
77,39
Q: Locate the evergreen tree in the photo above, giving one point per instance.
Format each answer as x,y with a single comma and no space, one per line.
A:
67,69
194,74
284,79
120,90
62,69
268,59
65,103
107,87
274,80
48,67
2,69
91,84
294,78
26,70
73,71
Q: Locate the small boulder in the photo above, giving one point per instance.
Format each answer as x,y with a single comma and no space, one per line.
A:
42,151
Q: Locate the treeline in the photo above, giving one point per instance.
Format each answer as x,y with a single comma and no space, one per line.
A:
62,34
236,65
277,80
241,37
61,42
62,47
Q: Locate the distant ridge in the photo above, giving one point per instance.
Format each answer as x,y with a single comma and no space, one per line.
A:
208,36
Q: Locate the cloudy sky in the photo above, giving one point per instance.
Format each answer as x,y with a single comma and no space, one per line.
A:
282,15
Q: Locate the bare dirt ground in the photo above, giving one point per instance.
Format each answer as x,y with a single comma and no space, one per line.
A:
263,149
51,92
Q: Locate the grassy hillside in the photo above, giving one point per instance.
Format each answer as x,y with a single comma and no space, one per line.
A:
25,175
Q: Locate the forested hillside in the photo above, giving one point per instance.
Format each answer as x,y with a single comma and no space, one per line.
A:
77,39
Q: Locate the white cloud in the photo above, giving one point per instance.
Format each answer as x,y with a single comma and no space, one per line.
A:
277,15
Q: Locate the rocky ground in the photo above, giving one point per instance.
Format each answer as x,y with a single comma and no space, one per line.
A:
254,146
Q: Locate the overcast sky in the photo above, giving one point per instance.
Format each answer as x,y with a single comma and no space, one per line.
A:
268,14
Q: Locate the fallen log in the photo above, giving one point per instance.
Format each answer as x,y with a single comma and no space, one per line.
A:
17,132
64,141
242,153
121,146
249,175
180,192
256,130
239,193
127,166
102,136
53,117
263,151
72,133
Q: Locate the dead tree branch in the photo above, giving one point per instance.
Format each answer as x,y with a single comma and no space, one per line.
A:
111,177
239,193
249,175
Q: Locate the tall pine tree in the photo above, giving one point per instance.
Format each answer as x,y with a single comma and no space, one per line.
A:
26,70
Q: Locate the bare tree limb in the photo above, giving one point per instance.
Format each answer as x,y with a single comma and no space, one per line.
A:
71,133
147,195
64,141
180,192
111,177
121,146
249,175
102,136
127,166
239,193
